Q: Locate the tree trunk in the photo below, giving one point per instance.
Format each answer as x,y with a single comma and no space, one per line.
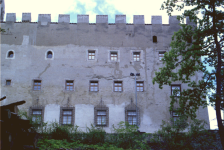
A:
218,79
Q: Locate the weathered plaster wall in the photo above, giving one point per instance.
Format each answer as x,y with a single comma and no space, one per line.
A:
70,44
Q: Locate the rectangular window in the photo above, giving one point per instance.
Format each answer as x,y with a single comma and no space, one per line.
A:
91,54
101,117
36,85
140,86
94,86
113,56
136,56
8,82
69,85
161,55
118,86
175,117
66,117
175,90
132,117
37,115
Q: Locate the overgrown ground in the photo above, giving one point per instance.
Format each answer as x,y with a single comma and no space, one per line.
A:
125,136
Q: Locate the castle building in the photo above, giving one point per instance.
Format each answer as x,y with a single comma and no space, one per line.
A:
79,73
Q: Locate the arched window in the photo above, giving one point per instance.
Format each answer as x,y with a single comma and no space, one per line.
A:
49,54
10,54
154,39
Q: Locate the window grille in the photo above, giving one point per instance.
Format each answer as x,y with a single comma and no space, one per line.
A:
131,114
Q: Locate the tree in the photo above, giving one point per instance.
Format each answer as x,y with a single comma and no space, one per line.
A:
192,49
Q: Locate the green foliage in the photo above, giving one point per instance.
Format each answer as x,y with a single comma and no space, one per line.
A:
173,137
2,30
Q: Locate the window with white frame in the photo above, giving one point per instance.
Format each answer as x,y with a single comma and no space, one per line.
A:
94,86
101,117
91,54
136,56
69,85
36,85
67,115
140,86
118,86
161,54
113,56
37,115
175,90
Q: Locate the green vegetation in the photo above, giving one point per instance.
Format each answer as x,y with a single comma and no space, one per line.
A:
125,136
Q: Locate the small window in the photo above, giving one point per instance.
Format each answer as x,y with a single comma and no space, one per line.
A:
154,39
175,90
161,55
94,86
140,86
113,56
175,116
101,118
136,56
69,85
118,86
10,54
91,54
67,115
49,54
8,82
37,115
36,85
132,117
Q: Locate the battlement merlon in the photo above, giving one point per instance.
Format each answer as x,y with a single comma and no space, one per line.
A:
45,19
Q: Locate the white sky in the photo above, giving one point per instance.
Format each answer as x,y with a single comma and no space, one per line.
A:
93,8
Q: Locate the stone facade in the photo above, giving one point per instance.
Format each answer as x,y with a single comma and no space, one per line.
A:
50,68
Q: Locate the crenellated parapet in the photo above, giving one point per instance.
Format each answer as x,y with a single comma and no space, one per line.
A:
44,19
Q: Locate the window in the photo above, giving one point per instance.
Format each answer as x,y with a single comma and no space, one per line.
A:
175,90
10,54
132,117
69,85
8,82
49,54
101,117
113,56
37,115
161,55
67,115
140,86
154,39
131,114
136,56
91,55
36,85
94,86
101,114
175,116
118,87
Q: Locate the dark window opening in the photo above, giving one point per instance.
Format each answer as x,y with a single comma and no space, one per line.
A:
8,82
49,54
10,54
154,39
